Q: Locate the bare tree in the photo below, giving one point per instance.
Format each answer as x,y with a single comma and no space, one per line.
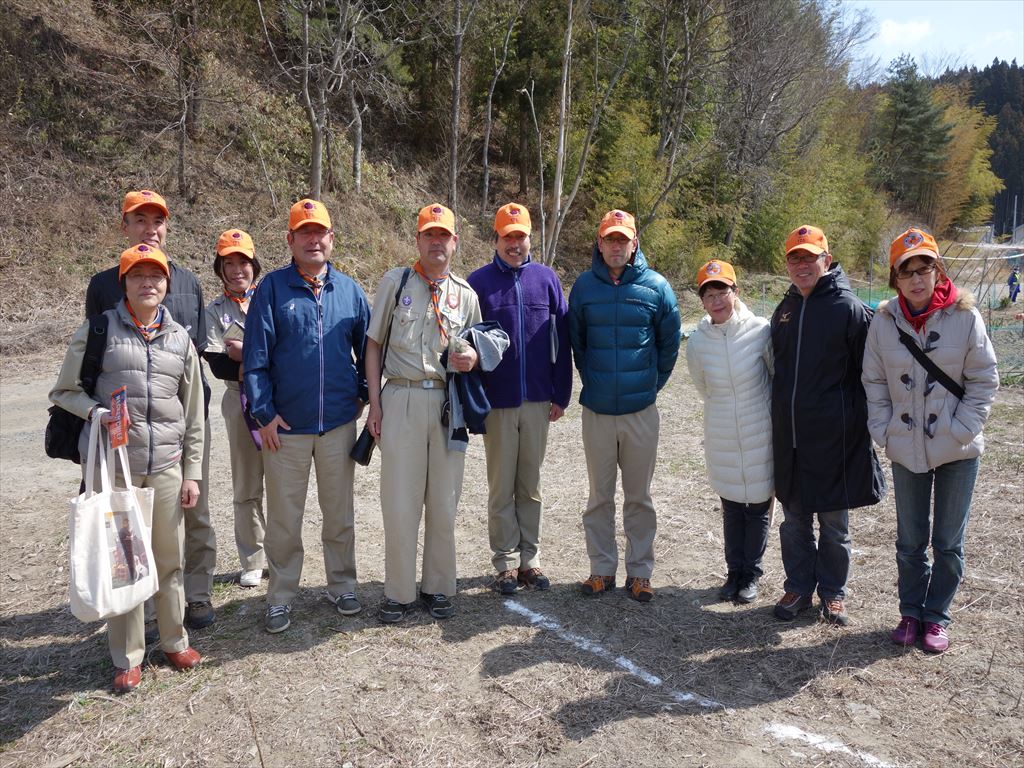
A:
459,29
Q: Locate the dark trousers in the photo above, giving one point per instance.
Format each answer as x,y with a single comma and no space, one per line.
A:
746,535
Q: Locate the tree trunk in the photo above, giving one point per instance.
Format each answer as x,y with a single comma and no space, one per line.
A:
357,140
524,150
453,154
563,126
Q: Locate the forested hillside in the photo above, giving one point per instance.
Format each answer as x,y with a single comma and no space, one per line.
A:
721,123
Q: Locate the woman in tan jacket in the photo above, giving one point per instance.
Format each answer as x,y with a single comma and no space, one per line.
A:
153,357
932,434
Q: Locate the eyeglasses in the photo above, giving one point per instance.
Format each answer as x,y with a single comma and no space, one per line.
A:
906,274
713,298
803,258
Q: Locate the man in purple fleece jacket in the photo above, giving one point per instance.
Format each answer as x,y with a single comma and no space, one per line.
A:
528,390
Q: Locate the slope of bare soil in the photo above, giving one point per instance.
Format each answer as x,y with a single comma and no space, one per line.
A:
548,679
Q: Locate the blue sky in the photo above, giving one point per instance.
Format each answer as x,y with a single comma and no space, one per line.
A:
944,32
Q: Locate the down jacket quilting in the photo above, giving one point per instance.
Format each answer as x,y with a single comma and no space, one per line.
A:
731,366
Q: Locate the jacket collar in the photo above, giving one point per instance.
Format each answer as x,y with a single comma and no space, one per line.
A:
633,270
504,267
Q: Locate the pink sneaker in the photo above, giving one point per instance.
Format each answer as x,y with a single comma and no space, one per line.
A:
907,631
935,639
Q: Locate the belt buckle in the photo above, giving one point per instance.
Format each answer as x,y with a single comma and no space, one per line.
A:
430,383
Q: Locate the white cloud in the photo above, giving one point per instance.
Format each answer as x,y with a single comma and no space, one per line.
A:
903,33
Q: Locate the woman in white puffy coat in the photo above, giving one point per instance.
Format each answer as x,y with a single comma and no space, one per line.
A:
730,361
932,435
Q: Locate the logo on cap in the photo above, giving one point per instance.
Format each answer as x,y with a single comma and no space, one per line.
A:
803,231
308,206
143,249
236,235
619,215
146,193
713,268
513,211
913,239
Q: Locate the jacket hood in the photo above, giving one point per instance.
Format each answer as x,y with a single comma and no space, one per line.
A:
636,267
965,301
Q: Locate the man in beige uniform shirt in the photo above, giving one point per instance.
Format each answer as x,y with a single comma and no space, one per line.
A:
432,307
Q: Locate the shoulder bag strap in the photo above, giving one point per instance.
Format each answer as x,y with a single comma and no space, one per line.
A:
95,346
928,364
387,336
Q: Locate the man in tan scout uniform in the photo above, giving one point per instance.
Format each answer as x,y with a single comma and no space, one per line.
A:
431,308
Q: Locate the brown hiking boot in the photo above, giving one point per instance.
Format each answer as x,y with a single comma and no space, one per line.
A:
507,582
640,589
596,585
834,611
533,578
789,607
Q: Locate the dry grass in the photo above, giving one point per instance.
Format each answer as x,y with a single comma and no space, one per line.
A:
488,687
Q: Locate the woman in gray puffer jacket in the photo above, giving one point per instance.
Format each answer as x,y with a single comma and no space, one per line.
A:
932,435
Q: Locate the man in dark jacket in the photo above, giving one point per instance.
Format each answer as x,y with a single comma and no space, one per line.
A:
624,332
144,215
824,462
303,363
527,391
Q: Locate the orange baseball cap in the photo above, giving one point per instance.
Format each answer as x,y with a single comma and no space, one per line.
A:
913,242
235,241
142,254
617,221
716,271
137,199
807,238
512,218
436,215
308,211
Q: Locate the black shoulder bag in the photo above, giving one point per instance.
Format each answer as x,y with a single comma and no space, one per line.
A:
63,429
927,363
362,450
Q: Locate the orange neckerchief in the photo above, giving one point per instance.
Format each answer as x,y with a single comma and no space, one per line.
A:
146,330
241,300
316,283
435,298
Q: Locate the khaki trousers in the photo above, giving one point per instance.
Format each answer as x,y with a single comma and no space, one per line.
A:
126,633
629,443
417,472
246,483
287,475
515,443
200,539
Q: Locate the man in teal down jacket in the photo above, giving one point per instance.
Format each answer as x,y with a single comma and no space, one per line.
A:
624,333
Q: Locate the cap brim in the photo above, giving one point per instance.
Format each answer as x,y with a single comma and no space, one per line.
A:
163,208
513,228
436,225
925,251
146,260
716,279
618,230
307,222
227,251
817,250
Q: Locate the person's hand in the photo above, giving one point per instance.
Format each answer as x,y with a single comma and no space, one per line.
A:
464,361
555,413
269,436
189,493
233,347
373,421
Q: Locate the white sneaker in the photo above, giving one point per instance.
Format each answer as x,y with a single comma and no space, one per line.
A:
251,578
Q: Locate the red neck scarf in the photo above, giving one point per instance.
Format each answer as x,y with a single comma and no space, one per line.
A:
435,298
944,296
147,331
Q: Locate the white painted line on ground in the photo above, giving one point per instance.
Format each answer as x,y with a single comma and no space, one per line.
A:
777,730
584,644
822,743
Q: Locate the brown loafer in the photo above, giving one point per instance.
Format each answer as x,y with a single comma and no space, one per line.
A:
126,680
182,660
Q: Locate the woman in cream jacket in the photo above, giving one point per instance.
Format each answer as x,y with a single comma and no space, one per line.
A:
730,361
933,437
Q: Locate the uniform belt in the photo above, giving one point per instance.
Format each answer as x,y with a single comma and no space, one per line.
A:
417,383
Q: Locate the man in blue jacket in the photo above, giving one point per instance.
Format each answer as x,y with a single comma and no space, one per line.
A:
304,376
624,332
528,390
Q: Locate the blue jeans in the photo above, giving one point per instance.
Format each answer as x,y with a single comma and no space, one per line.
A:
927,590
823,564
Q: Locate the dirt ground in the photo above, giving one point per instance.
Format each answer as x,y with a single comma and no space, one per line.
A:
550,679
